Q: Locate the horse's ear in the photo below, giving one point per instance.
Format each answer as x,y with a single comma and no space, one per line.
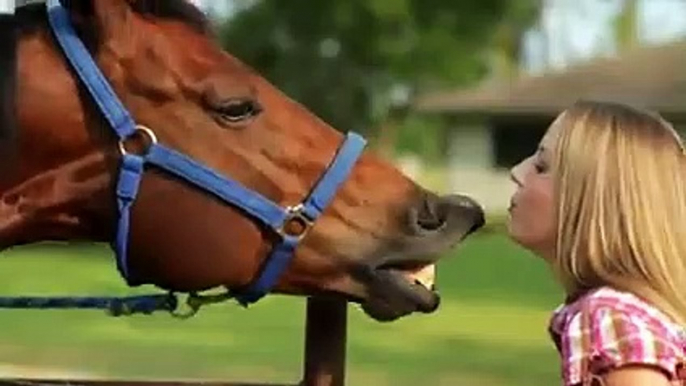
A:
106,18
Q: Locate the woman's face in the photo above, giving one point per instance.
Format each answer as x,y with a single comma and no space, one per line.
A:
532,222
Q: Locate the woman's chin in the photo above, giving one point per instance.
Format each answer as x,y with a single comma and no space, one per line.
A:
510,226
514,233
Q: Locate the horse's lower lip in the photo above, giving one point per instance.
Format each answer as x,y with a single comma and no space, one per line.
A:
392,296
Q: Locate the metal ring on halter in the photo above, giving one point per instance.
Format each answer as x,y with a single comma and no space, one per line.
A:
190,311
296,215
194,302
140,129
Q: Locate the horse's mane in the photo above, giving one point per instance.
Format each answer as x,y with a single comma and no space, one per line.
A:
181,10
8,70
32,14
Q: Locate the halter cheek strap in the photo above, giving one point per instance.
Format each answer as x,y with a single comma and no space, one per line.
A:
195,173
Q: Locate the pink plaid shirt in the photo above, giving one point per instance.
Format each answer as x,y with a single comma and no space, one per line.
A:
607,328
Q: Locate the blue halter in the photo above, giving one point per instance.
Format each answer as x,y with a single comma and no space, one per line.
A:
133,167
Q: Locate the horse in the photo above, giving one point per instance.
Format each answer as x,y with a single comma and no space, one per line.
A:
200,173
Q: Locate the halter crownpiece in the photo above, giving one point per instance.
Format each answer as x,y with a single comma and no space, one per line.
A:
132,168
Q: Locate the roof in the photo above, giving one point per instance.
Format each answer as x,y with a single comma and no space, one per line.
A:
652,77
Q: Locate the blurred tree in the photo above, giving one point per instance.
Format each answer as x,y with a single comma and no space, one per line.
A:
351,61
519,17
626,26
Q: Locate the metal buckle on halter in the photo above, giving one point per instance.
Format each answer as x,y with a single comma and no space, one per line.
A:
296,224
147,135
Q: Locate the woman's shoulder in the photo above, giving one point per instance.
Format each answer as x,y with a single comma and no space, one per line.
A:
620,304
616,315
608,328
610,299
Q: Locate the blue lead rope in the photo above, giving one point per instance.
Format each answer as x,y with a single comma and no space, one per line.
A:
118,306
124,306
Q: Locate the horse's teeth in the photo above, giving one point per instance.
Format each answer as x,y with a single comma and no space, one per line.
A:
425,276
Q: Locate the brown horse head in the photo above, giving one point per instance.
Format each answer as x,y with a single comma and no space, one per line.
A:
160,58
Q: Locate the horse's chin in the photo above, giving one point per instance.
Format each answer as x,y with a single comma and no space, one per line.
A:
397,291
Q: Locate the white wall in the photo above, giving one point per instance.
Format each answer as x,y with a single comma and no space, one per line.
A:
471,168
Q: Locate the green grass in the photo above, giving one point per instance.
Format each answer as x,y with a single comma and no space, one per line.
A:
490,330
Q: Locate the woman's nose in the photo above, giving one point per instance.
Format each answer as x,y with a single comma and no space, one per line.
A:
515,174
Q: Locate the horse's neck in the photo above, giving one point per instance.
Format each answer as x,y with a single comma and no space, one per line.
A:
65,203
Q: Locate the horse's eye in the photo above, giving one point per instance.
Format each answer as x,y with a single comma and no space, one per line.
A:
236,111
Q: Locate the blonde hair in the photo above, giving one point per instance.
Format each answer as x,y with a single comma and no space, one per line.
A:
620,188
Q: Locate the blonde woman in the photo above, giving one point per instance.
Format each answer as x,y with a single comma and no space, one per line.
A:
603,201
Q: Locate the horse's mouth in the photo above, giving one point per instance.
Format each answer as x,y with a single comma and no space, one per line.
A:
403,283
397,290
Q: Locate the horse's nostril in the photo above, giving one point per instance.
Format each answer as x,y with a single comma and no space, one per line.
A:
430,215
